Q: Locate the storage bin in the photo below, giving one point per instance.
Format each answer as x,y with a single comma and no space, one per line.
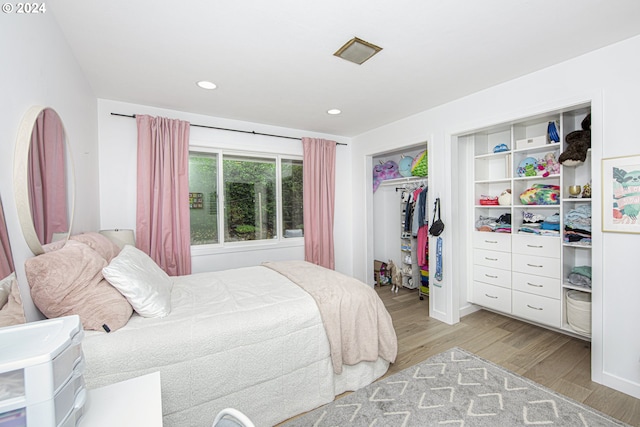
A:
531,142
41,373
579,311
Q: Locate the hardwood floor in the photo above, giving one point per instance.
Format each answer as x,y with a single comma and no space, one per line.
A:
555,360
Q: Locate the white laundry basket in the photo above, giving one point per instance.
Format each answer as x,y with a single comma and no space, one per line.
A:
579,311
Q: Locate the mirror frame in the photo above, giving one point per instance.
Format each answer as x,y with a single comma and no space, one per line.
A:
21,177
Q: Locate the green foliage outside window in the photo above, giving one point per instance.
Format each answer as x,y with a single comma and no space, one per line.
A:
203,173
250,198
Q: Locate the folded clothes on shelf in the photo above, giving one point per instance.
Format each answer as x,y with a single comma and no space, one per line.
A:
501,224
580,276
536,223
577,225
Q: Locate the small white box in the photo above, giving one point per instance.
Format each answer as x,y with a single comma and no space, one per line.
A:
536,141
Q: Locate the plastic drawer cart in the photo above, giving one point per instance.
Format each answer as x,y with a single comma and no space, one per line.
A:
41,367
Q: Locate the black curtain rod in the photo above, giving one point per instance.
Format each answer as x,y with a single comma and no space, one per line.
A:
133,116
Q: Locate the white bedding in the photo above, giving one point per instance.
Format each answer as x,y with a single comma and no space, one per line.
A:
246,338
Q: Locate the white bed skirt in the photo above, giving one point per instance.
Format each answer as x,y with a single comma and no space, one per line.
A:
246,338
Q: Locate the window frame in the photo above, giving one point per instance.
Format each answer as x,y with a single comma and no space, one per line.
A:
239,246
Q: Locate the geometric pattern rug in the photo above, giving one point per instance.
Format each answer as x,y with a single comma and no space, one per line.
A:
455,388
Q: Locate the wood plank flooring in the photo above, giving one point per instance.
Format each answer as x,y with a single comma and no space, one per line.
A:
555,360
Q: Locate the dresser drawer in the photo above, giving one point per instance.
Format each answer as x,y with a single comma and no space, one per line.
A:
545,246
539,285
501,260
536,308
492,276
493,297
492,241
539,266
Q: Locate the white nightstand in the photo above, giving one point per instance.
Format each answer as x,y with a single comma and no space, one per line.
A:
132,403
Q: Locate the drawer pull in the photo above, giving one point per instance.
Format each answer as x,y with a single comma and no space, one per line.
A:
490,259
536,266
534,308
491,241
490,276
534,285
490,296
535,246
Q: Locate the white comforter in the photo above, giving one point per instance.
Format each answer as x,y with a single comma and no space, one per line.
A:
246,338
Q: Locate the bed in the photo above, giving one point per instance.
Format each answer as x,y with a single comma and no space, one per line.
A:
249,338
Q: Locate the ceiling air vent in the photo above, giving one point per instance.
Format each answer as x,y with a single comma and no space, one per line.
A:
357,50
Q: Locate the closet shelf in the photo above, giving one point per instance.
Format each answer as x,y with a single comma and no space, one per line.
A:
403,180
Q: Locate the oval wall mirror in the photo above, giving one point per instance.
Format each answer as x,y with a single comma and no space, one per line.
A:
43,178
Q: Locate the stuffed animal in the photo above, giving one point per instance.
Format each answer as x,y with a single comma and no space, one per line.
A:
551,164
404,166
578,143
396,276
383,171
420,166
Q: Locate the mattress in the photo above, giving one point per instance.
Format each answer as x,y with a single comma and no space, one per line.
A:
246,338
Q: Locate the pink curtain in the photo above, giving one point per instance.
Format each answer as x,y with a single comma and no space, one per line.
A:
162,210
47,184
6,259
319,200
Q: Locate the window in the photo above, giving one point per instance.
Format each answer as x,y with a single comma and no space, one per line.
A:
249,198
252,186
203,200
292,218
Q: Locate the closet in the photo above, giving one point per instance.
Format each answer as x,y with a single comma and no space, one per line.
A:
396,204
528,226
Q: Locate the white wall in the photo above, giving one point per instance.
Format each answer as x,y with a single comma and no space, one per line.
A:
38,68
607,77
118,139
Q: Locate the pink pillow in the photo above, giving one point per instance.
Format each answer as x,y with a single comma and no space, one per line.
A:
99,243
69,281
12,313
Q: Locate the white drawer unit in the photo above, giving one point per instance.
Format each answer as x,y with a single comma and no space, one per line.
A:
536,245
501,260
492,276
539,266
41,369
493,297
536,308
492,241
538,285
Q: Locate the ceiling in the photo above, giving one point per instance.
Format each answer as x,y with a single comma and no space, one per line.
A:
273,60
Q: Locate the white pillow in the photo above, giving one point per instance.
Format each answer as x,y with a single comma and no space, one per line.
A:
145,285
5,288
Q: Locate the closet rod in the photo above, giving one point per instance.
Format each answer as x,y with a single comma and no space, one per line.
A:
133,116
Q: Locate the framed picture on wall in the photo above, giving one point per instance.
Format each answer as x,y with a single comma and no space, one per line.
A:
621,194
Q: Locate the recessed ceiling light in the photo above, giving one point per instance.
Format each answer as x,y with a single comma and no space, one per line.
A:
206,84
334,111
357,50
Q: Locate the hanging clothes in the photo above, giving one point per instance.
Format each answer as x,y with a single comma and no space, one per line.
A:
408,212
423,246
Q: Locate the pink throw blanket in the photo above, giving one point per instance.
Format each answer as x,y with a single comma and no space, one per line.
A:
358,325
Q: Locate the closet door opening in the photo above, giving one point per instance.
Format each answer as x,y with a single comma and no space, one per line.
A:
401,211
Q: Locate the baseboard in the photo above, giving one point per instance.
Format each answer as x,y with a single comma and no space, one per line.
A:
471,308
623,385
